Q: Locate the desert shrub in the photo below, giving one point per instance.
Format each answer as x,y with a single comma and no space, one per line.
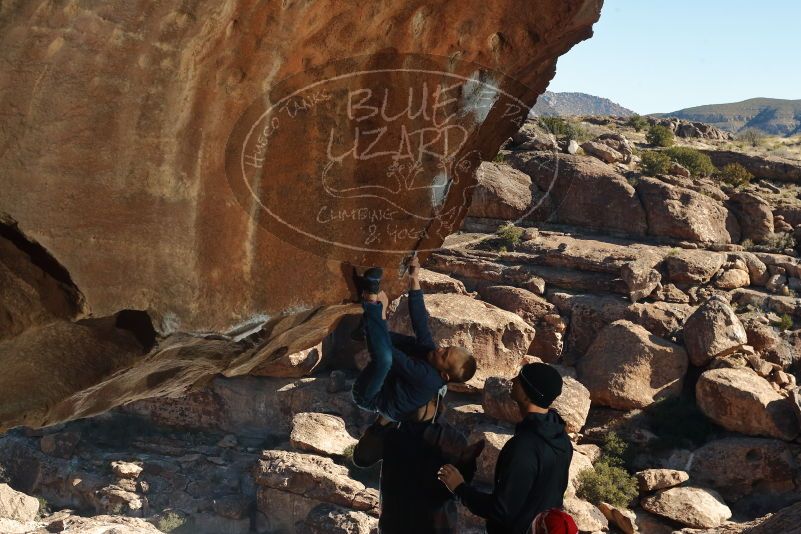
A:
509,235
678,422
637,122
170,521
577,132
555,125
659,136
735,174
653,162
785,322
44,507
500,157
780,241
614,449
608,481
563,128
698,163
751,137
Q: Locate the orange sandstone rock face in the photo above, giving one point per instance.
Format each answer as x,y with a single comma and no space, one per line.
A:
220,166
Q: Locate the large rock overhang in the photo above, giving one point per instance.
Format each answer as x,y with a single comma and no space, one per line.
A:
127,133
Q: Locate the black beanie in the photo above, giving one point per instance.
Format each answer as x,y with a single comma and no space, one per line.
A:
541,382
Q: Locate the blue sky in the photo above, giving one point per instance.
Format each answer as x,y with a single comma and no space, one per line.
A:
658,56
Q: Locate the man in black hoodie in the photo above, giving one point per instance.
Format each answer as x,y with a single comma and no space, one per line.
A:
532,470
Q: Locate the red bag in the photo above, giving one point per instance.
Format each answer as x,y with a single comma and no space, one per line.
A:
553,521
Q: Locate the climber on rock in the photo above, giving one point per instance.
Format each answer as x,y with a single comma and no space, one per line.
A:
404,372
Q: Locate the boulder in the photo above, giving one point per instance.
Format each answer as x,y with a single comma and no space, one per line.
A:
60,444
116,524
732,279
687,266
678,169
625,520
713,330
295,365
434,282
588,518
602,151
497,402
619,143
531,136
757,270
126,469
588,314
495,437
330,519
543,316
786,520
572,147
694,507
573,405
584,191
742,401
652,524
497,338
627,367
119,499
754,214
16,505
253,406
685,214
501,192
578,464
320,433
772,168
641,277
763,473
291,485
656,479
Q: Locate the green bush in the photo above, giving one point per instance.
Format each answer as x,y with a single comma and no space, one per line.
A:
509,235
170,521
614,449
607,483
785,322
780,241
44,507
563,128
500,157
637,122
659,136
735,174
555,125
654,162
698,163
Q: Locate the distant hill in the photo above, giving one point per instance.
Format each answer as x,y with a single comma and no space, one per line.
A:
570,104
770,115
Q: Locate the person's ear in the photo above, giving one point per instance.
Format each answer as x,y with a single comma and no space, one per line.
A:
445,376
